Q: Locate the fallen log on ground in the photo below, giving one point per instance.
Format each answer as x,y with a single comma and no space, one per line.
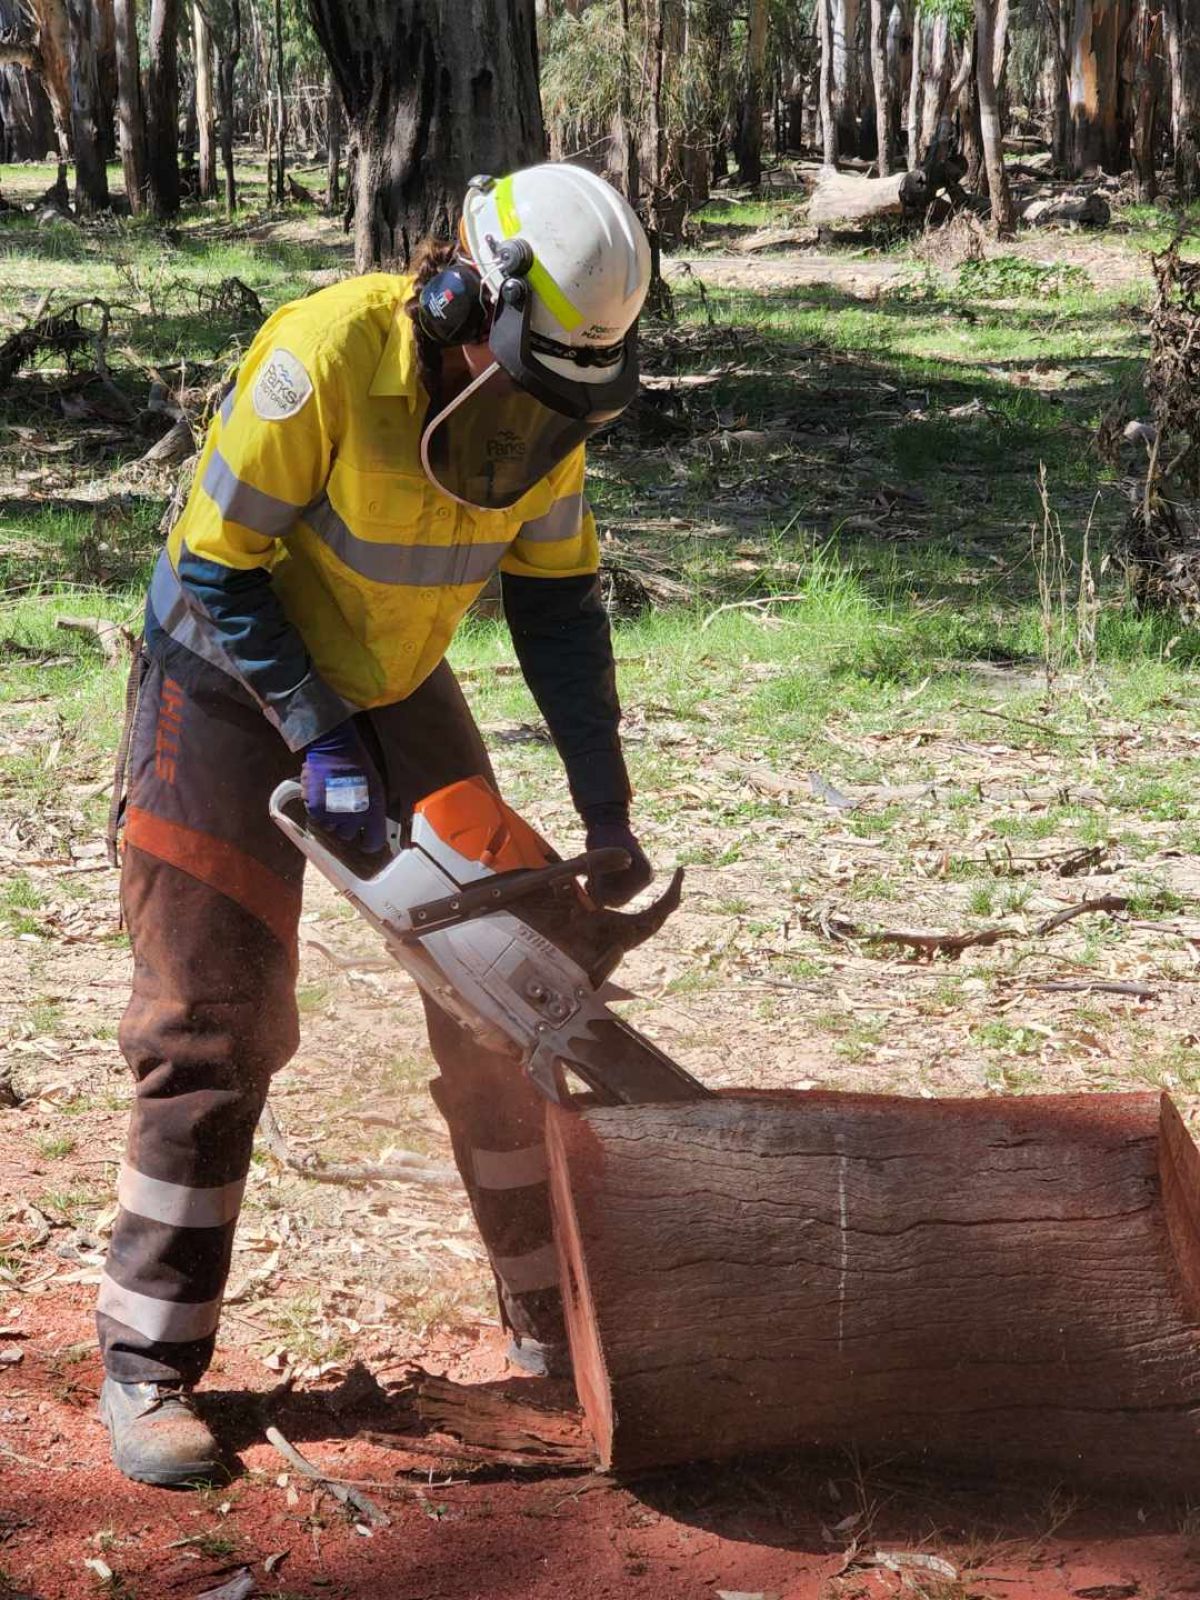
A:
988,1281
1085,210
847,197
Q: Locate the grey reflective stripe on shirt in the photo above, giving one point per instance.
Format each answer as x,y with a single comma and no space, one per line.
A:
177,1204
243,503
563,521
164,1321
227,407
417,565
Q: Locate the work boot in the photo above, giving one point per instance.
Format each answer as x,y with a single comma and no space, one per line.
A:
539,1358
157,1435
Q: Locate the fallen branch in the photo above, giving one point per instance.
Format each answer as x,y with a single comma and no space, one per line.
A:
299,191
117,643
929,945
1133,991
340,1490
404,1167
1106,902
942,944
62,333
751,605
1020,722
177,444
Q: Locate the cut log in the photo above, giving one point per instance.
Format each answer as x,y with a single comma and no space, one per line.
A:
847,198
984,1281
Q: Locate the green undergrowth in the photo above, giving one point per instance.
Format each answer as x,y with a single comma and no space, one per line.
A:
843,507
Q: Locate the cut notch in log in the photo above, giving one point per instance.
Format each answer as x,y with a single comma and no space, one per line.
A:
993,1281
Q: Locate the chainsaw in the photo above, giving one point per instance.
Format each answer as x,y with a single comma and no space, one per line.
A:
501,933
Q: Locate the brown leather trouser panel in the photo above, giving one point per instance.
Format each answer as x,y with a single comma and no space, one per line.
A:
211,892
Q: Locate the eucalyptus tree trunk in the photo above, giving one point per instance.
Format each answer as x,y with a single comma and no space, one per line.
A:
631,176
898,62
935,79
847,92
1183,60
988,48
1095,68
281,111
1147,83
91,177
104,31
882,82
752,111
435,92
229,48
54,68
202,50
912,119
162,109
829,128
1060,138
333,147
130,126
658,132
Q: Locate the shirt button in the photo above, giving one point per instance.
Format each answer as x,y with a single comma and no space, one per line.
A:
373,507
443,511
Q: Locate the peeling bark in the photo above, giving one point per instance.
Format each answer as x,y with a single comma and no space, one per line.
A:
54,55
202,50
1096,134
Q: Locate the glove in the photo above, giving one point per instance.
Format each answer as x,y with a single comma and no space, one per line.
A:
342,790
615,888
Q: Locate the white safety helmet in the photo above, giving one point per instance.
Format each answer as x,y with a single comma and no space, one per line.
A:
553,271
591,258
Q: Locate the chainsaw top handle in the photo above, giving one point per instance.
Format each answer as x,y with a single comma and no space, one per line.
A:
492,893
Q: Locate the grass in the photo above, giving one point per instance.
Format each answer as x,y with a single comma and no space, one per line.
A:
55,1146
844,506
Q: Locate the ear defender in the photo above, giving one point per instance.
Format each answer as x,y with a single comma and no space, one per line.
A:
450,308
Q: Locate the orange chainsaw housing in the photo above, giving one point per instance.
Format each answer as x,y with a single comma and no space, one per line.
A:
471,818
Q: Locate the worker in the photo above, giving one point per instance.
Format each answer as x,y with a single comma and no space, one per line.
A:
390,442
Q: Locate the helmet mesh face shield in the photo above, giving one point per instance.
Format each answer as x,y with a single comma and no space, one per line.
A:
489,445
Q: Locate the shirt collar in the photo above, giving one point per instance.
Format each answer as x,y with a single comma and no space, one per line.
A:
398,373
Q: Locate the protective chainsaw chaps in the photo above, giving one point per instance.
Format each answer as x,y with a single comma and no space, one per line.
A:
497,929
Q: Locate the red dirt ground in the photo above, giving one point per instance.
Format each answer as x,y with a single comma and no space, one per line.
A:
797,1531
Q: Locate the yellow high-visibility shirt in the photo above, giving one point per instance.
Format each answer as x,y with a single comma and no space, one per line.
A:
312,471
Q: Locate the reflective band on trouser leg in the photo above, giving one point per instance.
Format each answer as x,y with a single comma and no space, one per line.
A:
489,1106
526,1274
176,1203
161,1321
510,1169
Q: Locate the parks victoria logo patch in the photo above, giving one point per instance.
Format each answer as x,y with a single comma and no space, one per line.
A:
281,388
